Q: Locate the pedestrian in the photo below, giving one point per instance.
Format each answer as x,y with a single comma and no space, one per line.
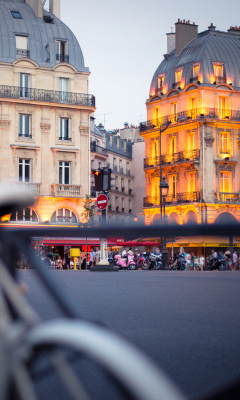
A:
188,261
98,255
124,252
201,262
228,259
59,263
67,260
92,257
130,252
235,261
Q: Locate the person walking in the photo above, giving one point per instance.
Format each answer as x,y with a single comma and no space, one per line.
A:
235,261
201,262
92,257
67,260
228,260
188,260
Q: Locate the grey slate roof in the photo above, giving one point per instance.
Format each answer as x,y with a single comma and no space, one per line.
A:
208,47
41,36
120,151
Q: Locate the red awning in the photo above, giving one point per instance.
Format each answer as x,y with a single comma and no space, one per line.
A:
134,243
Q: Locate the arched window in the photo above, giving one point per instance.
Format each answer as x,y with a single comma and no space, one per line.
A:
24,215
225,218
64,215
190,217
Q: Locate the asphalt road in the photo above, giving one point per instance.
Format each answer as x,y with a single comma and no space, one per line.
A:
188,322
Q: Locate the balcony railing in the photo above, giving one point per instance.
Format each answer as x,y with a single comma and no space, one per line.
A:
49,96
34,188
98,149
65,190
23,53
62,58
223,197
220,79
194,114
180,157
187,197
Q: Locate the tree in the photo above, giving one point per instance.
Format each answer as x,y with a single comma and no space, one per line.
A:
87,214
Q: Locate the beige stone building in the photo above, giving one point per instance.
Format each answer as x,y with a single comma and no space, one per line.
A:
45,111
195,100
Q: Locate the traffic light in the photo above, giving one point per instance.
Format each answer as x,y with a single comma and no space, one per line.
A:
106,178
98,177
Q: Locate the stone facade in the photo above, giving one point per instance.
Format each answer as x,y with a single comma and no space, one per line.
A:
45,135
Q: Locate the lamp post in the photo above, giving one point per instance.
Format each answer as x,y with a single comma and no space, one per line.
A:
164,191
160,168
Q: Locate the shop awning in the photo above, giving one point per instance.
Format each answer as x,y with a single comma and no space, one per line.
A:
204,241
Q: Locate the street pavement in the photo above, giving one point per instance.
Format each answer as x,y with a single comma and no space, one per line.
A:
187,322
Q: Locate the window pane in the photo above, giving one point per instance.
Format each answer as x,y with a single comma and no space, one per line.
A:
67,176
27,173
60,173
26,119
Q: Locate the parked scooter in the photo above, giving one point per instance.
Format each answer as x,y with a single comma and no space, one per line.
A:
216,262
126,262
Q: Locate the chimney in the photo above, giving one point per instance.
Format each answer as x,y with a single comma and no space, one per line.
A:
170,42
234,29
185,32
54,7
37,7
212,27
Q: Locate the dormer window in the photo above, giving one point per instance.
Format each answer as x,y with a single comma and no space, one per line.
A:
178,77
62,51
219,73
16,14
22,46
195,73
160,81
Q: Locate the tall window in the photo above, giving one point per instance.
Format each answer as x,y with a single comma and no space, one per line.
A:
62,51
178,75
218,70
224,143
64,215
24,84
160,81
172,145
24,170
155,187
155,150
225,182
24,126
24,215
156,116
174,112
192,182
64,172
64,133
173,186
63,87
191,141
223,107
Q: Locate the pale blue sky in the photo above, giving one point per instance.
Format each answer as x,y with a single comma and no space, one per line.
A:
123,43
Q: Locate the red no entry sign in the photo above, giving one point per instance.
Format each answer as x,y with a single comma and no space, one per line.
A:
102,201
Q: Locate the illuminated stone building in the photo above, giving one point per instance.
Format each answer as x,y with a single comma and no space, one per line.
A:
45,111
196,90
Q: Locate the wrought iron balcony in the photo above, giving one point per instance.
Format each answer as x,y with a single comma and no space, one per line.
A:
49,96
180,157
98,149
223,197
187,197
62,58
23,53
190,115
194,79
59,190
34,188
220,79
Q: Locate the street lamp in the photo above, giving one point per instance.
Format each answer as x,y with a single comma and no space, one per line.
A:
164,191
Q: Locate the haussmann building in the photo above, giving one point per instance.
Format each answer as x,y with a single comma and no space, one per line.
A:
195,95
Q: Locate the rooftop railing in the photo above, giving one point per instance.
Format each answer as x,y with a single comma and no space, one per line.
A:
95,148
194,114
172,158
51,96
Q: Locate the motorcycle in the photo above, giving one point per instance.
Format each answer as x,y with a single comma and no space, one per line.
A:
125,262
216,262
180,263
152,260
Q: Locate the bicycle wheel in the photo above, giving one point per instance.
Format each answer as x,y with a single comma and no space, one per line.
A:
132,373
